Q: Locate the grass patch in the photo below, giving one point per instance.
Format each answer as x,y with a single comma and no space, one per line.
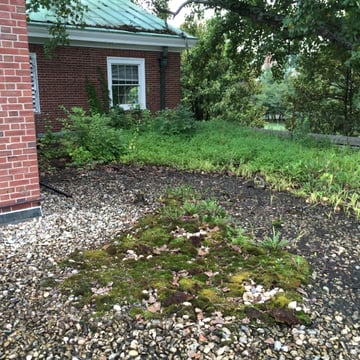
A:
318,171
279,126
185,257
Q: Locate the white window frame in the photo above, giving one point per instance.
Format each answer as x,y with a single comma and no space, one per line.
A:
34,83
141,75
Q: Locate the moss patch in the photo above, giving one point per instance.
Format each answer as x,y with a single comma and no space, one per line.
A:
189,255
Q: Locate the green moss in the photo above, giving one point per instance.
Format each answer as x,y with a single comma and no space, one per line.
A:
303,317
277,223
147,221
78,284
209,295
154,235
190,285
252,249
240,277
235,284
125,242
280,301
215,266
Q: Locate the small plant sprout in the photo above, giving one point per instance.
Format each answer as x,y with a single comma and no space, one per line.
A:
277,223
299,237
241,238
274,242
298,261
271,199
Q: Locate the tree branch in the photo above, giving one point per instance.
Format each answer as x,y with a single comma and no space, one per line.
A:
264,15
174,13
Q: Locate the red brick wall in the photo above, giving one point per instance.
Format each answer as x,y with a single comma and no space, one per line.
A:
62,78
19,181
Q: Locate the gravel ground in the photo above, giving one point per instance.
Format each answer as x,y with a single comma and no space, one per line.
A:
38,322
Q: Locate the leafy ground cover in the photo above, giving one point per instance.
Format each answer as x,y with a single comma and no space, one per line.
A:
319,171
316,170
190,258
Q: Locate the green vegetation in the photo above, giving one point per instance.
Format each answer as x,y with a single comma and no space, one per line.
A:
187,256
275,126
85,139
97,138
318,171
175,122
278,59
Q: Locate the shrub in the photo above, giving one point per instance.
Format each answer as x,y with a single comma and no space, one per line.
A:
179,121
90,138
134,118
49,148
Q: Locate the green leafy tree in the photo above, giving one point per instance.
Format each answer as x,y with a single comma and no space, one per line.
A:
213,84
325,38
272,95
326,93
280,26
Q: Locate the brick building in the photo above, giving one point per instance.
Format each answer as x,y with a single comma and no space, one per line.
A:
125,53
19,180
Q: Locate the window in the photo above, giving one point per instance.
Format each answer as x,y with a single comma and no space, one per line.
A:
34,83
126,81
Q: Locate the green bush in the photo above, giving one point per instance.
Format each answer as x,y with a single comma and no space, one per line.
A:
121,119
90,138
48,145
130,119
179,121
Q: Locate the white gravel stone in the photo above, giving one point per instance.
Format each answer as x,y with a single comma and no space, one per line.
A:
277,345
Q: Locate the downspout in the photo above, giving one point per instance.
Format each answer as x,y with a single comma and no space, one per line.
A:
163,63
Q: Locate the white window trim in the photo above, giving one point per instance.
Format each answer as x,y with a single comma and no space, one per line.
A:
141,68
34,83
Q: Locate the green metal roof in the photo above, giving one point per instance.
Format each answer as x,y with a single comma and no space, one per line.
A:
117,15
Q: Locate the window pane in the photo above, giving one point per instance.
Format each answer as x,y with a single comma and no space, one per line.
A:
125,73
125,95
125,84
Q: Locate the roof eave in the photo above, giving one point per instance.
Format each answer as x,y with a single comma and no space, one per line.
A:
112,38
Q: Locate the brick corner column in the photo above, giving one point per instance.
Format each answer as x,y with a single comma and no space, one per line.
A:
19,175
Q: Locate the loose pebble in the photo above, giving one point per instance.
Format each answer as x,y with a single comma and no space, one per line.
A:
38,321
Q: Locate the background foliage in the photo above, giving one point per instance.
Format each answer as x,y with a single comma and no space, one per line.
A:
221,74
314,72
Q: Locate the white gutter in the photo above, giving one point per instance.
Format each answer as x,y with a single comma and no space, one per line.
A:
111,38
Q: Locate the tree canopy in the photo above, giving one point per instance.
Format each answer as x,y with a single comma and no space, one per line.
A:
323,36
262,26
280,27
